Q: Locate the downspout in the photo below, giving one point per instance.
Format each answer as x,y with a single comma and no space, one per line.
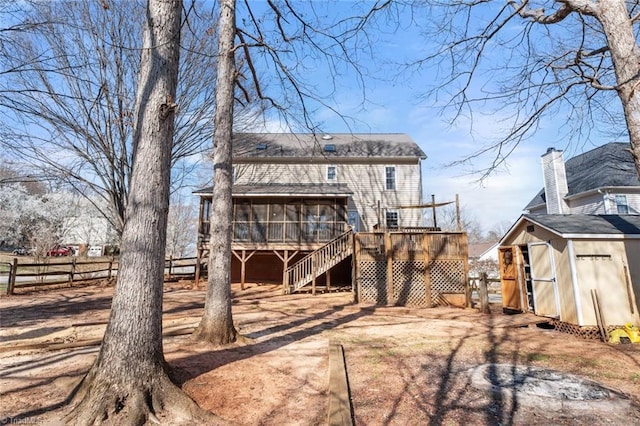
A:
574,282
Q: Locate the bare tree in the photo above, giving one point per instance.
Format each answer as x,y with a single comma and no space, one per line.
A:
289,43
216,325
182,225
128,383
68,100
526,60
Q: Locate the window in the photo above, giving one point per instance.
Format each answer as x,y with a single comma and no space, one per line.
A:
392,219
332,173
621,204
390,174
329,147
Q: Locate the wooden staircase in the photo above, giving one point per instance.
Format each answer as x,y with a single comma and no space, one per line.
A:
310,267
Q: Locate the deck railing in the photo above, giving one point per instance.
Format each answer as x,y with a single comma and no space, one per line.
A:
307,269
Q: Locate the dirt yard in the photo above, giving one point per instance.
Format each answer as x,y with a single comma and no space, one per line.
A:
405,366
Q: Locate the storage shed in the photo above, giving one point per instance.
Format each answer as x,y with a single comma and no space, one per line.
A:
550,264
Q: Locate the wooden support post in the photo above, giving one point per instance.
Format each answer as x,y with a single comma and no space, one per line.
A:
433,210
458,221
484,294
12,276
285,264
170,266
388,250
329,280
427,273
243,269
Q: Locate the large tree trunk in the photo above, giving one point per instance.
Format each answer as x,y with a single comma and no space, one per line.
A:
625,55
128,383
216,325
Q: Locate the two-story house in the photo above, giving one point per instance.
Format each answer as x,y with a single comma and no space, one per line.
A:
600,181
294,193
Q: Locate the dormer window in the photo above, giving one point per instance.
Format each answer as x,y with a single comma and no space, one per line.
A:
261,146
330,147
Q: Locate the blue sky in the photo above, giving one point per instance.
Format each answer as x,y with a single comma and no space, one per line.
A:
395,104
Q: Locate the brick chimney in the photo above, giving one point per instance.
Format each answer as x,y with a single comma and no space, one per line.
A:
555,182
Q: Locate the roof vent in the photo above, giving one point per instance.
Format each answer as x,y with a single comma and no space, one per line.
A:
329,147
327,137
261,146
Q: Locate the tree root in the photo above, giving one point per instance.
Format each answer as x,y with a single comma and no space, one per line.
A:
101,400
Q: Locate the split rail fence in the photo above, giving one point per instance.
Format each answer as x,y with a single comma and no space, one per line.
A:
53,271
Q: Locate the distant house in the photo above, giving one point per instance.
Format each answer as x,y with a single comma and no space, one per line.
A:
294,193
601,181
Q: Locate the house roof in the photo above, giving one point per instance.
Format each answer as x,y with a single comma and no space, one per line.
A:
291,190
582,226
609,165
341,145
476,250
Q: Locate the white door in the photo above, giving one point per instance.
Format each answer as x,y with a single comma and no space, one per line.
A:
543,279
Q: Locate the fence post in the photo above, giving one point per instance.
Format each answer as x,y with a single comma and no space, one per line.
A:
73,270
12,276
484,294
110,268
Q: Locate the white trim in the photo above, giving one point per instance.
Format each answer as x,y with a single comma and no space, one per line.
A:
574,282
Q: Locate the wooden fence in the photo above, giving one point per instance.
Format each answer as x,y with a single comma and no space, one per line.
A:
54,271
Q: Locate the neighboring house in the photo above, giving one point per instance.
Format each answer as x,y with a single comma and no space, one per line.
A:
564,266
483,257
294,193
601,181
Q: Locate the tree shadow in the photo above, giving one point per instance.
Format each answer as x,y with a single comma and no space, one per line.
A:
189,367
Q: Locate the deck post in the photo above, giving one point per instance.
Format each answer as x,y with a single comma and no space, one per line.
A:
243,261
329,280
389,256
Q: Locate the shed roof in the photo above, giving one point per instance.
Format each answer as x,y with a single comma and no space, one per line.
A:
290,190
609,165
341,145
582,226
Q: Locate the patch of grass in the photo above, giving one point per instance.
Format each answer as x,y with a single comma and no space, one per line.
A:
634,377
537,356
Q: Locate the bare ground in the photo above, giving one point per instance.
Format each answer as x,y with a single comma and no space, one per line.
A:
405,365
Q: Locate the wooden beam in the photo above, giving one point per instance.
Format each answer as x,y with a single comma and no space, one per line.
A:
389,256
340,410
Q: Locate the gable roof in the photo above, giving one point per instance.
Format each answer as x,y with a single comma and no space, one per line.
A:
609,165
342,145
583,226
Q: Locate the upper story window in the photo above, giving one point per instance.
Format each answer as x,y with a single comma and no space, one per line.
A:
391,219
621,204
390,177
332,173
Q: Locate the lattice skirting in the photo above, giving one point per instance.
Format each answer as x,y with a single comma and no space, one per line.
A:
373,282
590,332
409,287
411,278
447,276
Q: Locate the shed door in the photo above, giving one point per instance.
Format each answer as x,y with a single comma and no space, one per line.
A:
543,280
